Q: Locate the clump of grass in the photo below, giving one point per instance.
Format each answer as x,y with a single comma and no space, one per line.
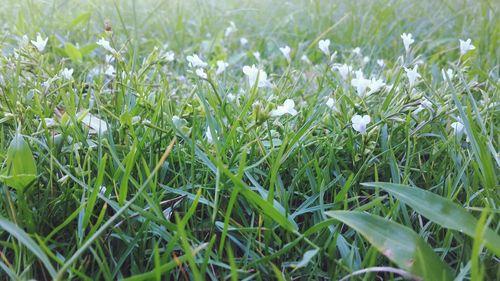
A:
253,141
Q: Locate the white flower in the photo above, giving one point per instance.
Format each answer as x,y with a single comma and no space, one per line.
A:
360,83
458,128
343,70
136,119
407,40
24,41
357,51
381,63
466,46
195,61
448,73
50,122
230,29
252,73
256,55
102,190
109,58
110,71
67,73
46,84
231,97
359,123
169,56
305,59
40,43
288,107
201,73
331,104
286,52
105,44
221,66
412,74
243,41
375,85
324,46
425,103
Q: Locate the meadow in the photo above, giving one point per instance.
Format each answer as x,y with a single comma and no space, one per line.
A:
249,140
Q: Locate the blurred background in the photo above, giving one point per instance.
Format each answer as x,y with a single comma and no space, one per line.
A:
186,25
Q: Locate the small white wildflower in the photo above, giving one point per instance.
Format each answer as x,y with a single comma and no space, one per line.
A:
221,66
105,44
466,46
356,51
252,73
109,58
375,85
360,83
231,97
24,41
343,70
305,59
448,73
256,55
67,73
136,119
110,71
324,46
407,40
169,56
381,63
412,74
243,41
458,128
359,123
195,61
286,52
201,73
230,29
102,190
46,84
424,103
40,43
366,59
288,107
50,122
331,104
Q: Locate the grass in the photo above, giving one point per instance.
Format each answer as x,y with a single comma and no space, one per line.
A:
154,173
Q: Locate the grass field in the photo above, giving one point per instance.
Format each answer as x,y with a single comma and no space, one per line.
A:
249,140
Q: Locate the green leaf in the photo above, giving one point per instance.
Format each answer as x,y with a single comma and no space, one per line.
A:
306,258
129,165
20,166
72,52
439,210
24,239
87,49
398,243
83,17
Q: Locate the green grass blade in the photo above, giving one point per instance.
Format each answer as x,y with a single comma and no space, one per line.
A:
398,243
24,239
440,210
